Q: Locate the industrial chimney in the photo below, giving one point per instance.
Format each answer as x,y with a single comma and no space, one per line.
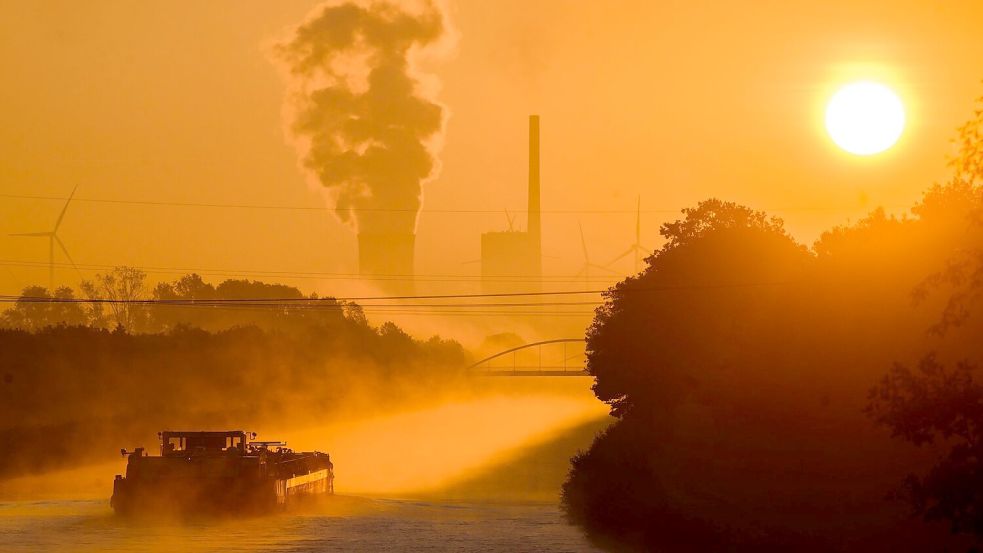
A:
511,261
535,225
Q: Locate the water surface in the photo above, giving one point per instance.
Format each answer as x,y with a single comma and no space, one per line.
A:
342,524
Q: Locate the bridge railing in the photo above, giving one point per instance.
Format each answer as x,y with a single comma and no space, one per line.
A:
562,357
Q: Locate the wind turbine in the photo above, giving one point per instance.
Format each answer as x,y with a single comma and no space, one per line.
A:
53,239
587,266
636,248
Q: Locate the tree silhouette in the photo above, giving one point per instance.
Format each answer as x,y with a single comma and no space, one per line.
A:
654,328
936,404
120,286
963,273
73,394
739,364
32,313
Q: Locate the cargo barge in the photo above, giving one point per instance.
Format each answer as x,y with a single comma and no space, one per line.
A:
219,473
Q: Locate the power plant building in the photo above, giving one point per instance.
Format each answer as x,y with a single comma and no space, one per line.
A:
511,261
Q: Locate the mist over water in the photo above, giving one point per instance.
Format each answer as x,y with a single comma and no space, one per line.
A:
354,525
479,470
423,449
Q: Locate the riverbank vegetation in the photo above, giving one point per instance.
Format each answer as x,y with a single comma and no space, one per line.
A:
773,396
78,380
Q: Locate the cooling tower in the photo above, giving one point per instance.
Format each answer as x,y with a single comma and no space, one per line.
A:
388,256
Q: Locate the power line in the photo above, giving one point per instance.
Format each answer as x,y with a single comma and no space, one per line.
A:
464,211
320,275
477,310
274,303
278,302
499,313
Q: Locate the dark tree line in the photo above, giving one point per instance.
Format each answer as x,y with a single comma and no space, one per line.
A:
185,301
751,376
76,383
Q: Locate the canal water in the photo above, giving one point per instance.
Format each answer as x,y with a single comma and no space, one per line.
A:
475,473
352,524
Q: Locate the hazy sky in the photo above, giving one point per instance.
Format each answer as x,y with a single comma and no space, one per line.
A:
673,101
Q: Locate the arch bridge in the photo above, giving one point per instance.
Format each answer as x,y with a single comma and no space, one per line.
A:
563,357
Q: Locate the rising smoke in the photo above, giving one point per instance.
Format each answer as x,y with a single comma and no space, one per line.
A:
364,122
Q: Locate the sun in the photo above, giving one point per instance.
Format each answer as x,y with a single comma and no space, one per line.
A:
865,118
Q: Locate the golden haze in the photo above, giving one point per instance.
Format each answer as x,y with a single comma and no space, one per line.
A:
181,103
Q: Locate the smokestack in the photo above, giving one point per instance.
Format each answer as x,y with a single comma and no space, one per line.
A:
535,227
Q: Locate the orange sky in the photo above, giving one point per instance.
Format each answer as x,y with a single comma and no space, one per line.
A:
675,101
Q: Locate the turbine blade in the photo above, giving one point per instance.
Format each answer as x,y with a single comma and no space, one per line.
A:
64,250
583,243
605,269
638,220
627,252
64,209
41,234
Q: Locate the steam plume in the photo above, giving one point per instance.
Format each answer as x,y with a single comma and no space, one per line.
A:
357,108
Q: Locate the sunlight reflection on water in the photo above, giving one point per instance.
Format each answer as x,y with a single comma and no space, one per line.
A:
399,454
344,524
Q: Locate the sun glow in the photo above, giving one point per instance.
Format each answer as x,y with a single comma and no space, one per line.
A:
865,118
